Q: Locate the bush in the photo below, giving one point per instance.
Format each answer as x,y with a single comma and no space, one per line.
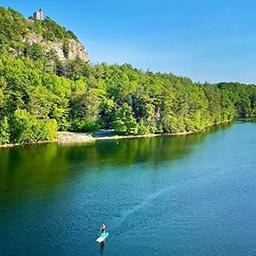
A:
21,126
45,129
143,129
26,128
83,125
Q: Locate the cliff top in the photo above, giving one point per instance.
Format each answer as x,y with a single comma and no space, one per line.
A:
15,30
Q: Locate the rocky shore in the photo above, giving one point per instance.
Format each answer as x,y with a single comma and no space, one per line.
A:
109,134
72,137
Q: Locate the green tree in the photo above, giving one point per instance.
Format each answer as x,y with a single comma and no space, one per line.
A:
21,126
4,131
45,129
143,129
124,121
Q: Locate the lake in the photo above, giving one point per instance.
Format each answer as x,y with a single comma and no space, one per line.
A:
171,195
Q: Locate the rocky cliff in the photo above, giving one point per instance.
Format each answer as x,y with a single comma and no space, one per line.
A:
74,48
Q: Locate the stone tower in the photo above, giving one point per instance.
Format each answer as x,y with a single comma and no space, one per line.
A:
38,15
41,13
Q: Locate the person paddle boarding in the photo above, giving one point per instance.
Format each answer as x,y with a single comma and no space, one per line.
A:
103,235
102,230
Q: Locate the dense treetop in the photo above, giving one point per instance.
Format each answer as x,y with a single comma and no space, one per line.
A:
39,94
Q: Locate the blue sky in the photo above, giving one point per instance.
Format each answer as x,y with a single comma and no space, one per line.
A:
206,40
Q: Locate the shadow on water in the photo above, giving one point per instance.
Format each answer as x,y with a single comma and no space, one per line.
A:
102,246
37,169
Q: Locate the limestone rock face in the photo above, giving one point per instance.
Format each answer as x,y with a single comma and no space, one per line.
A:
75,48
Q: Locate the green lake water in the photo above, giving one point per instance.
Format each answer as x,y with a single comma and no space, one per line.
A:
177,195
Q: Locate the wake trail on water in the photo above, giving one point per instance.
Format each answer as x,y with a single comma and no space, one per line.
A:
116,221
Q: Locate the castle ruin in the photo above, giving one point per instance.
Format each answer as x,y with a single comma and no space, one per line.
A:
38,15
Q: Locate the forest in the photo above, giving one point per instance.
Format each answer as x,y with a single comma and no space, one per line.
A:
40,95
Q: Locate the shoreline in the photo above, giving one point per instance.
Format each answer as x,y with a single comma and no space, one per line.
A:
159,134
75,137
27,143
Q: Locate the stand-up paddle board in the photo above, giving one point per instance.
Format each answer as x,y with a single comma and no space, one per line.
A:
102,237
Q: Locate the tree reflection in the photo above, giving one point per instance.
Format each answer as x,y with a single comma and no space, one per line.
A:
40,168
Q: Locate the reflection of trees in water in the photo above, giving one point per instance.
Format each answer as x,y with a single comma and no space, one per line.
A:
25,169
154,150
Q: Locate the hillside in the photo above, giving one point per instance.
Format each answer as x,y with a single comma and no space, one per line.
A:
40,93
20,36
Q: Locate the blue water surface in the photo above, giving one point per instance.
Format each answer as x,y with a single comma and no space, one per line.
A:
177,195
